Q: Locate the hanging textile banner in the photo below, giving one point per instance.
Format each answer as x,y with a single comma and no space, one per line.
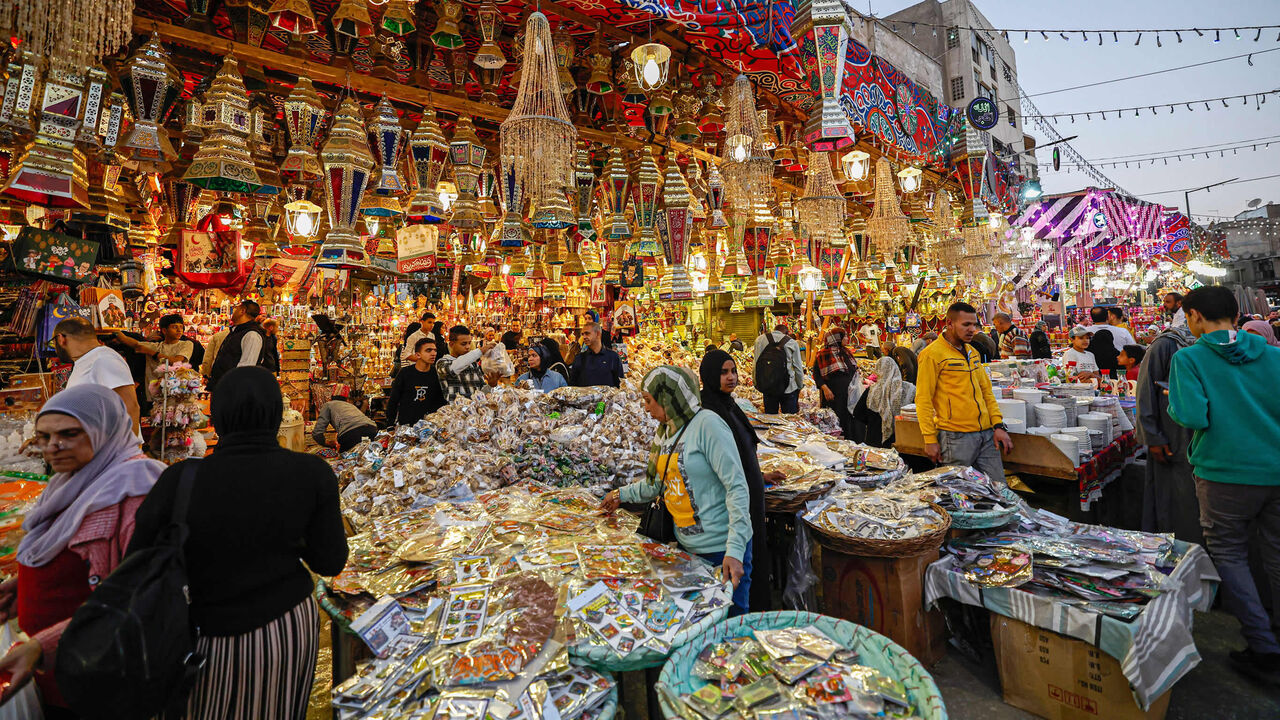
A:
416,248
211,259
53,255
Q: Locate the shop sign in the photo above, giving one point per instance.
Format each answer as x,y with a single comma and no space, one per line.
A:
983,113
416,248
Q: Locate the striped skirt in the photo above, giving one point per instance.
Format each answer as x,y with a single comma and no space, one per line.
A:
266,673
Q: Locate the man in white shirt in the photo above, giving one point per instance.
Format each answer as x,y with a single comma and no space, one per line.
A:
1173,306
789,401
1101,321
76,341
407,355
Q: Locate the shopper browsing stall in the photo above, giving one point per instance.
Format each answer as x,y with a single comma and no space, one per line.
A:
1105,319
1214,390
719,375
540,376
76,341
420,330
833,370
171,347
1077,361
1169,501
1013,342
77,532
271,345
1041,349
595,364
880,404
1130,359
1172,306
350,426
263,512
779,371
959,419
695,469
459,371
243,344
416,392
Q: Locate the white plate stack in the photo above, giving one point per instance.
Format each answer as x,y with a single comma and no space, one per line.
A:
1068,404
1042,431
1099,421
1081,434
1111,406
1069,446
1013,410
1030,396
1051,416
1015,425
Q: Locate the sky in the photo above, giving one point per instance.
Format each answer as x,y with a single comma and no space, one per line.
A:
1056,64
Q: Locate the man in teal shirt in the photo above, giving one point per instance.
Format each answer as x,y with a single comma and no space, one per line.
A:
1218,388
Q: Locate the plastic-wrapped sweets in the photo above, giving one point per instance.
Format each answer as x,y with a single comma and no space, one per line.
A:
787,674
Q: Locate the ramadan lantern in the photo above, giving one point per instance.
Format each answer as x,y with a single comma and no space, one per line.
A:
347,167
430,152
584,184
152,86
223,162
386,138
489,21
646,205
304,117
676,197
825,29
613,187
51,170
467,153
512,192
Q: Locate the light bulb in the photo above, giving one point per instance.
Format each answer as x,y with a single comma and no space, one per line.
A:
740,153
304,224
652,73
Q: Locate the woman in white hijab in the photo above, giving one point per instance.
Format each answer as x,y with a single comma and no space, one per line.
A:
78,530
884,400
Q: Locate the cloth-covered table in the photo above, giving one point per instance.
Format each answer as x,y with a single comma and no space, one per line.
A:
1104,466
1155,649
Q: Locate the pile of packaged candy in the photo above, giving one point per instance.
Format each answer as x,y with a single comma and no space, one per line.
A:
785,674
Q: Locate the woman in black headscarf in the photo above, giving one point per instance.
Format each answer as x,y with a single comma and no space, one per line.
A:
554,360
261,510
442,345
719,374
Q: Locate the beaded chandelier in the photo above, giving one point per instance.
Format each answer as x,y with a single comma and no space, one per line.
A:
888,227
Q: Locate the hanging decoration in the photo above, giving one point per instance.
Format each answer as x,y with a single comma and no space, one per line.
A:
537,137
304,118
645,205
430,153
152,86
73,35
613,187
347,167
888,227
223,162
825,26
821,210
51,170
386,139
679,225
489,21
447,33
467,153
294,17
351,18
651,63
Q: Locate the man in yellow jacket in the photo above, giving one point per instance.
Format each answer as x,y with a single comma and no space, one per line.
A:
959,417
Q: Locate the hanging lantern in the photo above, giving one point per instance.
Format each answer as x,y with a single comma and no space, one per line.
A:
223,162
565,51
488,190
304,118
676,197
824,25
180,197
105,212
888,227
294,17
613,188
631,94
651,62
833,304
856,165
386,139
347,166
584,183
599,82
537,137
51,170
97,87
351,18
711,114
822,209
152,86
489,20
512,191
447,33
397,18
468,154
430,153
260,150
645,191
909,179
715,197
257,231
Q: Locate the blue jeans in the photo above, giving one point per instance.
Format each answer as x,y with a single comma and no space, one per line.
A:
1226,512
975,449
742,593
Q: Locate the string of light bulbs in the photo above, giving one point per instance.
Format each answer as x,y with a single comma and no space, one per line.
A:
1230,182
1259,99
1240,32
1141,161
1210,146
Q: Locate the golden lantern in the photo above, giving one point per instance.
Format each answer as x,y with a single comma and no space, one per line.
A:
651,61
348,165
489,20
304,118
223,162
397,18
447,33
351,18
468,154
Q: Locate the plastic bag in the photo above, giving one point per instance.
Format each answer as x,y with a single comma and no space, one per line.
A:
25,704
498,362
798,594
856,388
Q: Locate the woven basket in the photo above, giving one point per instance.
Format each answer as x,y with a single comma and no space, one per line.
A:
990,518
874,547
797,503
874,650
605,659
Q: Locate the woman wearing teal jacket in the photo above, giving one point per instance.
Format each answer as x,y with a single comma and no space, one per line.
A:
704,489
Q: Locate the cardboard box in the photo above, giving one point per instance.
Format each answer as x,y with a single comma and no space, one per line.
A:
886,595
1061,678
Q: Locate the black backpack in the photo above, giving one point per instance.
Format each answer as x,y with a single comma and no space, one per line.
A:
772,373
130,649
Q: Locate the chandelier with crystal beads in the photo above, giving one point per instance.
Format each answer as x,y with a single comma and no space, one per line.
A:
888,226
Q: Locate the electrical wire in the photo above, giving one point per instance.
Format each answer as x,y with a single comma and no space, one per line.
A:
1214,146
1152,106
1232,182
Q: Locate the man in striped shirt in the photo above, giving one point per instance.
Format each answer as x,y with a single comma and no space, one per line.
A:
1013,342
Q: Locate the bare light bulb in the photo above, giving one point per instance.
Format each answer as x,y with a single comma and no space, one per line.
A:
740,153
652,73
304,224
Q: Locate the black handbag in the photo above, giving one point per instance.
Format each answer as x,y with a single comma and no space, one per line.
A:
657,523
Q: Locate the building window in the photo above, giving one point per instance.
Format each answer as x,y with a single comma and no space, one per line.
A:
953,38
1013,117
1008,74
1265,269
957,89
984,91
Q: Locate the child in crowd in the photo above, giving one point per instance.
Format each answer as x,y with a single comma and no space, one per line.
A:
1085,366
1130,358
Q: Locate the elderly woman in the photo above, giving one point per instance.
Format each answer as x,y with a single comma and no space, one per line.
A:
541,376
833,370
79,528
1262,329
882,402
719,375
260,512
694,467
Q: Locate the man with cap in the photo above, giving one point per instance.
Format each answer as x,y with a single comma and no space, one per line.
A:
350,426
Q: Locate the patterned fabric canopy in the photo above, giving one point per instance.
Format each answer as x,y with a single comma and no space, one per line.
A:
1094,216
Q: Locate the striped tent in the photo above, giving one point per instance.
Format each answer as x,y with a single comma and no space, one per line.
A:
1090,217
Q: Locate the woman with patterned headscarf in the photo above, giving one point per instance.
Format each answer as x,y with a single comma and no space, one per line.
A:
694,467
833,370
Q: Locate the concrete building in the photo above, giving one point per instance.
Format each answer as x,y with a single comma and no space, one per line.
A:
1253,248
975,63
